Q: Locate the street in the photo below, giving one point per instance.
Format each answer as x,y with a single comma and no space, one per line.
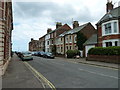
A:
63,74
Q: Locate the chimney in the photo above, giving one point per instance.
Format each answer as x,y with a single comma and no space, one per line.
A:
58,24
32,39
75,24
109,6
49,30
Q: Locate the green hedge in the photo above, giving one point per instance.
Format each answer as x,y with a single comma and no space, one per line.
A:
105,51
72,53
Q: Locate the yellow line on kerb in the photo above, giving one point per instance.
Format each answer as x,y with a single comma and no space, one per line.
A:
41,76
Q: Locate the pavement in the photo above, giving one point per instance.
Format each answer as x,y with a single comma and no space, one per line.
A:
19,76
96,63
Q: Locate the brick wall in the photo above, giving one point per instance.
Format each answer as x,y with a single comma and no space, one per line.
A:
88,31
104,58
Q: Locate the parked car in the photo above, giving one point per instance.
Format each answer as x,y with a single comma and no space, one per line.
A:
19,54
36,53
48,55
26,56
41,53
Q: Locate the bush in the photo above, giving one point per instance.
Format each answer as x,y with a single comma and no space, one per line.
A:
115,50
72,53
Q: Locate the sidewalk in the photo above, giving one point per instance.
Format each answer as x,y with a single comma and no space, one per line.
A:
19,76
96,63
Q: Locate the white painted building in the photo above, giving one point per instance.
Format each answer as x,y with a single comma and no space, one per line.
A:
47,43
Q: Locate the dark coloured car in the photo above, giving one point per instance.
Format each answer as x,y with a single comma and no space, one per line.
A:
41,53
48,55
36,53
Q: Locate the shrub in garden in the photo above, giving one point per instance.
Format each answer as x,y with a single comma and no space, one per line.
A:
115,50
72,53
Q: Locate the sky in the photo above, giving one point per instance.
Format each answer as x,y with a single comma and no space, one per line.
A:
32,18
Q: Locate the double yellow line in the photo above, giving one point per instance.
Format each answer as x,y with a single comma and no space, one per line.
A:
39,75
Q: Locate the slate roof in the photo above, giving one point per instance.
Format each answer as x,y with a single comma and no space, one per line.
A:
75,30
57,29
113,14
91,40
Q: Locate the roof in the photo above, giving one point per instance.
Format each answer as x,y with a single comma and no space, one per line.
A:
57,29
91,40
75,30
113,14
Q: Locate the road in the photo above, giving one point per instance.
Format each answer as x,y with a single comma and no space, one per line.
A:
65,74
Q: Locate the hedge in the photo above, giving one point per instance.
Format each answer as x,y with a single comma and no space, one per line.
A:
72,53
115,50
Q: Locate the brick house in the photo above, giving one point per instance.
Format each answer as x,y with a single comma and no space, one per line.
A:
108,30
67,40
108,27
34,45
52,34
42,43
6,27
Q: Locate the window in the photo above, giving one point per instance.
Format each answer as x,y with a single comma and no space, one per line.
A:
108,28
61,49
108,44
67,48
75,38
66,38
70,47
115,27
70,38
52,41
116,43
47,42
61,40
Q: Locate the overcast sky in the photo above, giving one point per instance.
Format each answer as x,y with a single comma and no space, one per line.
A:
31,19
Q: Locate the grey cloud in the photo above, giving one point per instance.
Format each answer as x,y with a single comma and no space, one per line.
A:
62,13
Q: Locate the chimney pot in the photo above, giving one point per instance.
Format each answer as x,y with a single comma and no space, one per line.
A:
109,6
32,39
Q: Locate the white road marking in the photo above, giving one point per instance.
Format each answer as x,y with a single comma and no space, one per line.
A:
98,73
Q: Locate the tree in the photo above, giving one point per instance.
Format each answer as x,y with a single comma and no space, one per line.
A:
81,38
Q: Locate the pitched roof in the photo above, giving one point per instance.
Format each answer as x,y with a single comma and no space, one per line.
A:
75,30
114,13
57,28
91,40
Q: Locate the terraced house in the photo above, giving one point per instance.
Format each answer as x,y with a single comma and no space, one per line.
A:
67,40
42,43
34,45
51,35
6,27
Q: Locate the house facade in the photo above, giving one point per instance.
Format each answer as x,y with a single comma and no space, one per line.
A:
42,43
6,27
34,45
108,27
67,40
50,38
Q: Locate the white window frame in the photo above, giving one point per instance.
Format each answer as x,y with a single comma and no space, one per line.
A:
112,28
111,40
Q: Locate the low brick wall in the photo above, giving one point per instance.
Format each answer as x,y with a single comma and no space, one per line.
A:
104,58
